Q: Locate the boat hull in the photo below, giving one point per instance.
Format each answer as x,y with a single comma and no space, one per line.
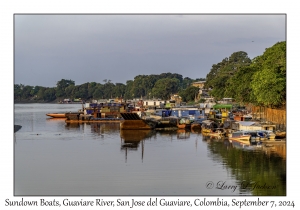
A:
57,115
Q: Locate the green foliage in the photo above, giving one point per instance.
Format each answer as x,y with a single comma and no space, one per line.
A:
49,94
189,94
261,81
238,86
61,87
269,83
164,88
220,73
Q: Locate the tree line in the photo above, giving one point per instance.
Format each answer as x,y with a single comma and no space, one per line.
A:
146,86
260,81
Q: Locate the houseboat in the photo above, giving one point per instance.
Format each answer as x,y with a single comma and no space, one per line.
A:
190,112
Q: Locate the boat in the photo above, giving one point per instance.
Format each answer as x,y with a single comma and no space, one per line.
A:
208,126
266,134
57,115
254,139
241,137
183,123
190,112
219,132
132,121
280,134
197,123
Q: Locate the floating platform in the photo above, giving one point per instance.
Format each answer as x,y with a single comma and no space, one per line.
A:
95,120
133,122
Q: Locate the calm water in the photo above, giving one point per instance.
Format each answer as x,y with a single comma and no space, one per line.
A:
55,158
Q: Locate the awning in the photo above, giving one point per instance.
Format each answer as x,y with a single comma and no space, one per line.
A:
246,123
222,106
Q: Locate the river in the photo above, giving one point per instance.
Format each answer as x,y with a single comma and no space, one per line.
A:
54,158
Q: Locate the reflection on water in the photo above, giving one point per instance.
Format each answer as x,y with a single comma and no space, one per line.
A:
131,139
183,134
101,159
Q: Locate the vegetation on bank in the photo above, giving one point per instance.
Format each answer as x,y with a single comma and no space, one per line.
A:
146,86
260,81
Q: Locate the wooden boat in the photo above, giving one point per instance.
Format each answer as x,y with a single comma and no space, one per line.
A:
183,123
219,132
57,115
280,134
197,123
241,137
208,126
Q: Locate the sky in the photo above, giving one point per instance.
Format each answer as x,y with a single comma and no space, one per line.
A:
118,47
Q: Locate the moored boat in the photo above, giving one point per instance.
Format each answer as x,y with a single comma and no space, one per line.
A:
208,126
182,123
197,123
280,134
219,132
57,115
241,137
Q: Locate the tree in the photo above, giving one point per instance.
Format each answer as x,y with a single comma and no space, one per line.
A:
119,90
223,71
49,94
69,91
163,88
61,87
128,90
238,86
269,83
189,93
98,92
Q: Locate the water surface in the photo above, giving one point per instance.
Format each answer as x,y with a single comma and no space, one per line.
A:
55,158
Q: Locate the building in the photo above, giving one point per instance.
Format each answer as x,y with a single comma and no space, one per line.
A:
199,84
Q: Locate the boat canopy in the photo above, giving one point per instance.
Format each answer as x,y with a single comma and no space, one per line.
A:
207,122
222,106
247,123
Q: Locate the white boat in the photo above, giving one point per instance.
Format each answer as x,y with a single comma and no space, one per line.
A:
241,137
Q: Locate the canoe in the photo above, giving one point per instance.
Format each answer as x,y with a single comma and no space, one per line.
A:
56,115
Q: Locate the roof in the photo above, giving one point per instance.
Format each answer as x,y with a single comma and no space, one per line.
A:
199,82
222,106
248,123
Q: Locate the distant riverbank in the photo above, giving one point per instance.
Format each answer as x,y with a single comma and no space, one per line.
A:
34,101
